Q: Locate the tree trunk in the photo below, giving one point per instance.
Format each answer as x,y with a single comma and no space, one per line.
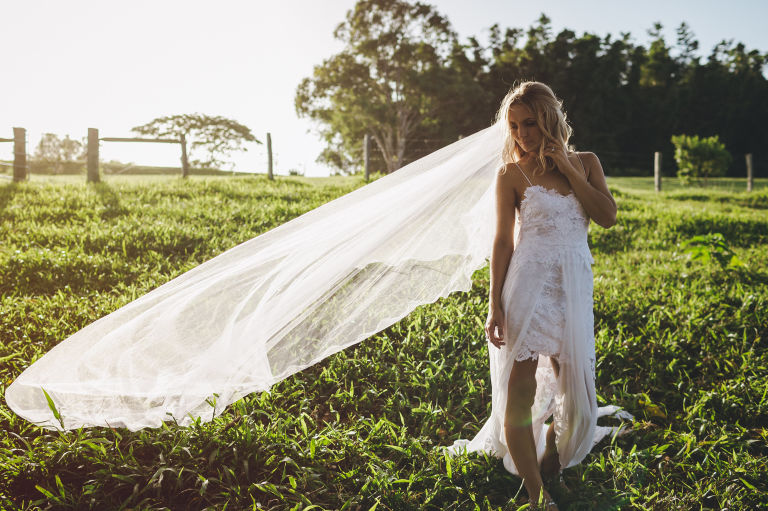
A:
393,142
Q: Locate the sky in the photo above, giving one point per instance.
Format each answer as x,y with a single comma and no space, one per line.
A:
68,66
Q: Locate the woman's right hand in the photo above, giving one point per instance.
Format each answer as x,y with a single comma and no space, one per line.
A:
494,323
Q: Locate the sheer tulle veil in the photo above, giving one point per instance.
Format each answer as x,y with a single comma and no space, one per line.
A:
278,303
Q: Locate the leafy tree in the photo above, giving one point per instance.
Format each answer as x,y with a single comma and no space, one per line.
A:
215,136
58,155
687,44
392,80
660,68
700,157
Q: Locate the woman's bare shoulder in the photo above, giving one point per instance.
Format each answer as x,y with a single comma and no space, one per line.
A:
512,173
511,181
509,168
588,156
588,159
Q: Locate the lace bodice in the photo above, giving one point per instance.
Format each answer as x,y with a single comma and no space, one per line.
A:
551,222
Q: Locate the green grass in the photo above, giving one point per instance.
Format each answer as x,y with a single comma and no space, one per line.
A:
681,345
729,184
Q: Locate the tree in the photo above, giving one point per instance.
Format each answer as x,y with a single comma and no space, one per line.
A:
660,70
58,155
217,136
700,157
391,80
687,44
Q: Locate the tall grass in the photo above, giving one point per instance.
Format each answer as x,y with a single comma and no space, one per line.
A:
681,344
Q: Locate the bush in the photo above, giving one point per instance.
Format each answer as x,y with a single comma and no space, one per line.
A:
700,157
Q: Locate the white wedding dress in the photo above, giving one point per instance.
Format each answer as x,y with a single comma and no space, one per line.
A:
547,302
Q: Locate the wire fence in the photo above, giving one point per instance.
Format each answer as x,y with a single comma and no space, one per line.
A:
372,159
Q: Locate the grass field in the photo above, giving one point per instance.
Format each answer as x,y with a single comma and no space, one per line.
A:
672,184
681,344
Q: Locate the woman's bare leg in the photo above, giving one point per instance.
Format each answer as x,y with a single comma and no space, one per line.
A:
518,429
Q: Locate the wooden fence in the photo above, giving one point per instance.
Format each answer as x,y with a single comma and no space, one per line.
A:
19,154
21,168
93,151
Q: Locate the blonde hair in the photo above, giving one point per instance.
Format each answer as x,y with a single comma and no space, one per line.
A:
550,118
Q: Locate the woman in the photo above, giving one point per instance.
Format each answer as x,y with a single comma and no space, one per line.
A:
540,304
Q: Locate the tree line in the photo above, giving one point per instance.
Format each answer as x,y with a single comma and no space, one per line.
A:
406,79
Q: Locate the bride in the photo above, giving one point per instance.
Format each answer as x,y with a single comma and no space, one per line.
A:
540,319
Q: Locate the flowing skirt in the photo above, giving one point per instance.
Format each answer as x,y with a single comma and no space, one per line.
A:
570,398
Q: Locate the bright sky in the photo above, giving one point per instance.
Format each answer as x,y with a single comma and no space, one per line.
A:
68,66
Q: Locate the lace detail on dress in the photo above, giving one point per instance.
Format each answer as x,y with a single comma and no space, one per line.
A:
547,321
551,222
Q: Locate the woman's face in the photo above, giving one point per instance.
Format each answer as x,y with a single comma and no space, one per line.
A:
525,130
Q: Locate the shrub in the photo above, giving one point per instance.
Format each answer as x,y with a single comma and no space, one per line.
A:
700,158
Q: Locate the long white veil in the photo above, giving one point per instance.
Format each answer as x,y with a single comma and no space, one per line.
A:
277,303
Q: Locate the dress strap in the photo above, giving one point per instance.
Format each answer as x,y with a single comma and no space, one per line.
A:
582,165
523,173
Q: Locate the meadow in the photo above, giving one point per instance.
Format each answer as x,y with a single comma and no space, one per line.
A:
681,317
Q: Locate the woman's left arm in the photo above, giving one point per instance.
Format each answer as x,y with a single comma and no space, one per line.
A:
591,190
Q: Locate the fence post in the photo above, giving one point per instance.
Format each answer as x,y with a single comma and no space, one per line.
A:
750,175
19,154
93,155
367,156
269,156
657,171
184,160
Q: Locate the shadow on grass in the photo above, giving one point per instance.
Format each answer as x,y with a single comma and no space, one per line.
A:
110,199
6,193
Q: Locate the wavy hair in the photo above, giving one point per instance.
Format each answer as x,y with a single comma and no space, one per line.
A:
550,118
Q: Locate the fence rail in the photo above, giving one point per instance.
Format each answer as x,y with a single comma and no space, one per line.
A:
93,151
19,153
161,140
21,167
